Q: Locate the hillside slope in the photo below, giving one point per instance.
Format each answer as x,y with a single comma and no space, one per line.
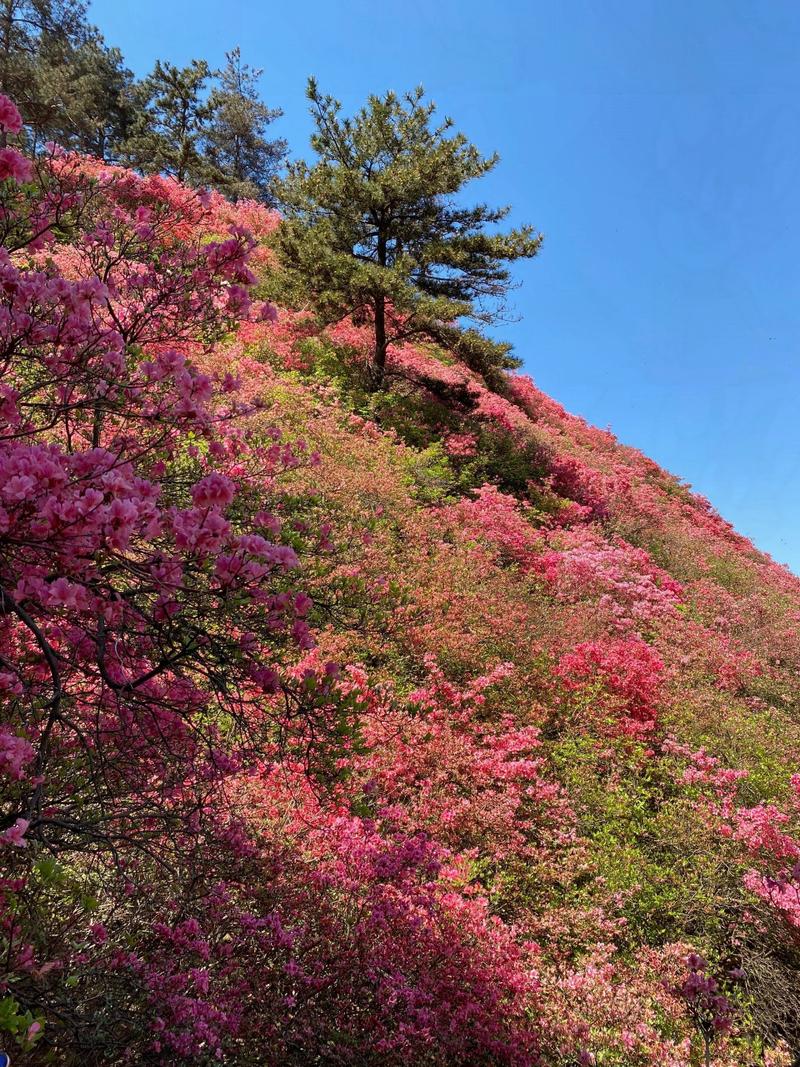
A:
499,764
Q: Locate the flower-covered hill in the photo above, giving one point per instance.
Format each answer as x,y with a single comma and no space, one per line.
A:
420,726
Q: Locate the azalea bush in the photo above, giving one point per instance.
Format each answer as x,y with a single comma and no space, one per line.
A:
145,594
429,727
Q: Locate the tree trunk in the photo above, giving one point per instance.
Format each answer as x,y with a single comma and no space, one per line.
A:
183,161
381,345
5,48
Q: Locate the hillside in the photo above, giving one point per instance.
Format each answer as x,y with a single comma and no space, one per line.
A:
427,725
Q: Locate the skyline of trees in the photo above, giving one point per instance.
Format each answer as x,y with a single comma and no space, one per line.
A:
202,125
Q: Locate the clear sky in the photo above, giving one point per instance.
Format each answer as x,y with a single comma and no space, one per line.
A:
656,143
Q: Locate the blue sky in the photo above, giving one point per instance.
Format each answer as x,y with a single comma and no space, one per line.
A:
656,145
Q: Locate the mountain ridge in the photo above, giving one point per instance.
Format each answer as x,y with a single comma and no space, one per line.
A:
421,725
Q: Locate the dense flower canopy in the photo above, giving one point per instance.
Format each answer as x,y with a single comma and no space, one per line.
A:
429,726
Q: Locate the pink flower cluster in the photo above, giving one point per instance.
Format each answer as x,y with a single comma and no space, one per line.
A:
632,593
629,673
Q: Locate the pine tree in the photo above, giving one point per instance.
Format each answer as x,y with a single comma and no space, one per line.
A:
169,135
375,229
37,38
243,160
94,100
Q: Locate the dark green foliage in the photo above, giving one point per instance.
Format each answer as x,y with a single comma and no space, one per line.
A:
34,32
374,230
96,101
201,126
504,461
242,159
207,135
69,85
169,131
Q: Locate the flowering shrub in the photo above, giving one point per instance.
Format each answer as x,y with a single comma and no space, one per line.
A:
497,518
709,1009
142,609
433,727
630,591
629,675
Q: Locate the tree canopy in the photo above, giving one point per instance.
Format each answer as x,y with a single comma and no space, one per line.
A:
202,126
168,138
243,159
376,229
